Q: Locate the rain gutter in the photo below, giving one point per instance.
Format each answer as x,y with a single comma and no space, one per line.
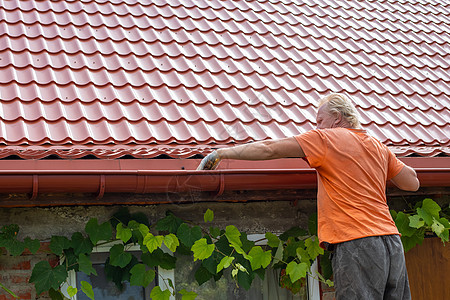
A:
162,176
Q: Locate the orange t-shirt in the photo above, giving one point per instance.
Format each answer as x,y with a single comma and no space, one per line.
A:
352,169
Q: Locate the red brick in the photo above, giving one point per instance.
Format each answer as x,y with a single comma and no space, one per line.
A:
328,296
15,263
18,279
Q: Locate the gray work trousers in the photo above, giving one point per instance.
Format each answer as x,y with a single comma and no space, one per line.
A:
370,268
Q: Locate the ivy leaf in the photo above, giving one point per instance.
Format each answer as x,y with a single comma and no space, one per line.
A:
153,242
71,291
296,271
259,258
415,222
15,247
171,241
202,249
86,287
158,294
187,295
208,216
437,227
313,248
169,223
81,244
118,256
32,245
97,232
140,276
85,265
272,240
403,224
188,235
233,235
428,211
45,278
58,244
224,263
123,233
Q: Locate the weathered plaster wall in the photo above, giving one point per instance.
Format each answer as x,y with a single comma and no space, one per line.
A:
252,217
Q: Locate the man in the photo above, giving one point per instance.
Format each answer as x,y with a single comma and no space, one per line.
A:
353,217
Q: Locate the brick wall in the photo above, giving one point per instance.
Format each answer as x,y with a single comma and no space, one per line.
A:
15,271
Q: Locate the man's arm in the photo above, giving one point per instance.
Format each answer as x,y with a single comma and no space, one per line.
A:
263,150
406,179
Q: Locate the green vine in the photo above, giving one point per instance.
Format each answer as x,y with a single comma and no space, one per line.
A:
292,252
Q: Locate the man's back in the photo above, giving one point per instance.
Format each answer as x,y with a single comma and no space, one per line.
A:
352,168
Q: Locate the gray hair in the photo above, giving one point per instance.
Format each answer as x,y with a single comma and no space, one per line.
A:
340,104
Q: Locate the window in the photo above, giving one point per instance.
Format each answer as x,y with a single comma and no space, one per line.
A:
183,278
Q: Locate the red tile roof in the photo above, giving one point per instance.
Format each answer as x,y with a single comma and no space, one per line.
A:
145,78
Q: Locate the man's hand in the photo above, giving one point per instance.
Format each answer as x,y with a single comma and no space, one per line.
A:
210,162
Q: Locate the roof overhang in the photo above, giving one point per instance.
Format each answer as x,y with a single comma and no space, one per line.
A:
150,176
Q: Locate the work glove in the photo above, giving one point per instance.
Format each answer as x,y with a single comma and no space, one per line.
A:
210,162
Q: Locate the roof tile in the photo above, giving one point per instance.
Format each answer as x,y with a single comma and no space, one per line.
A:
78,73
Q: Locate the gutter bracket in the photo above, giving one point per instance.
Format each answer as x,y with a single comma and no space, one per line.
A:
221,186
35,188
101,191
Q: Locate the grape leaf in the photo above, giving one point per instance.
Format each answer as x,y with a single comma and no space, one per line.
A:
259,258
97,232
171,241
15,247
415,222
86,287
187,295
313,247
123,233
224,263
233,235
85,265
32,245
437,227
208,216
153,242
188,235
71,291
45,277
58,244
428,211
403,224
159,258
81,244
158,294
169,223
118,256
202,249
272,240
202,275
140,276
296,271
